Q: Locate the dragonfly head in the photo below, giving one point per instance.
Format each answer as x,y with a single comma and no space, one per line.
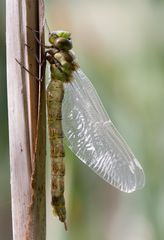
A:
61,40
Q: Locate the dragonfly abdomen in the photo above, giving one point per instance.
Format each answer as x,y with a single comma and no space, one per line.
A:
55,94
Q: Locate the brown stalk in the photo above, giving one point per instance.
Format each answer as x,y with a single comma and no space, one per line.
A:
26,111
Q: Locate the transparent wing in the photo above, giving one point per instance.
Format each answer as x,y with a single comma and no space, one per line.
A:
94,139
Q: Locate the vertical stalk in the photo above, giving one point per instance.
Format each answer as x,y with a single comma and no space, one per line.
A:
26,111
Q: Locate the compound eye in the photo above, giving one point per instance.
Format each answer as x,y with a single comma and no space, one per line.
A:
63,44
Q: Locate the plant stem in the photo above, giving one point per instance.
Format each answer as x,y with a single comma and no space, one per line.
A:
26,112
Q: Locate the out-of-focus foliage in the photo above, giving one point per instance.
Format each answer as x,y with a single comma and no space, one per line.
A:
119,45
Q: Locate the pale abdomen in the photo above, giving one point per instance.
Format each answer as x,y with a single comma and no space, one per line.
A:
55,94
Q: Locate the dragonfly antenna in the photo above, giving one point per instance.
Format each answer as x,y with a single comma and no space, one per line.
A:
47,26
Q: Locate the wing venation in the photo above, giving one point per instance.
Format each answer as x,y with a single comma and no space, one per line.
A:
94,139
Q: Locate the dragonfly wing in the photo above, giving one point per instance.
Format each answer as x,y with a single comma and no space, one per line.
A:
94,139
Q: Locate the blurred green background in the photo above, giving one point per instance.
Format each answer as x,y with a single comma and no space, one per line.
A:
120,47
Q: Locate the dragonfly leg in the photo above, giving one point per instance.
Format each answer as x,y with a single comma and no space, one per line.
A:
41,63
31,73
36,38
32,50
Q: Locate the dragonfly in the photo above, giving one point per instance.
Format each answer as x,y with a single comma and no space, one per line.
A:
76,112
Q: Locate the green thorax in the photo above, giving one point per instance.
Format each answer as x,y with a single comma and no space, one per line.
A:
61,58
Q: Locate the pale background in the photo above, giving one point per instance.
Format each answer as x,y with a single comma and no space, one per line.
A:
120,47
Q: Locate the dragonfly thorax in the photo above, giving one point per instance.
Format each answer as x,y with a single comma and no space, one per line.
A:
62,60
60,56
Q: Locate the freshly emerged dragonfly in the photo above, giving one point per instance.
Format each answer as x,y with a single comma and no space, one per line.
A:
75,109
